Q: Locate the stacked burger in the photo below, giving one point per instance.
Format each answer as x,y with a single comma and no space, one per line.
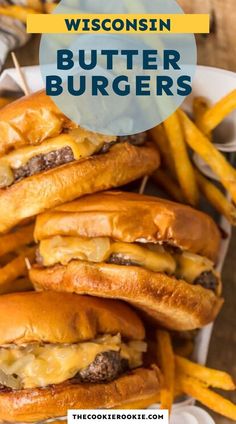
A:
104,262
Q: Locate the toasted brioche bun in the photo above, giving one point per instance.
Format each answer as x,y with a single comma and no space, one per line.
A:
32,405
33,195
131,217
30,120
64,318
35,118
172,303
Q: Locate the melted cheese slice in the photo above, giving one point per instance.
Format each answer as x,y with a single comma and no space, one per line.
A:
187,266
63,249
41,365
190,266
80,150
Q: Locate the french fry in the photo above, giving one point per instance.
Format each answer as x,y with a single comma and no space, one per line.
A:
49,7
216,198
210,377
204,148
165,181
183,166
159,136
15,269
200,106
13,241
217,113
167,366
200,392
35,4
17,12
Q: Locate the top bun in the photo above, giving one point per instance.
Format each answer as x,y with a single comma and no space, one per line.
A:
50,317
131,217
34,118
30,120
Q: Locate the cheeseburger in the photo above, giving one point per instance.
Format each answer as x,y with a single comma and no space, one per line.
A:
47,160
64,351
155,254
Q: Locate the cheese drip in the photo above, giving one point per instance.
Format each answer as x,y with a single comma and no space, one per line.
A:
41,365
155,258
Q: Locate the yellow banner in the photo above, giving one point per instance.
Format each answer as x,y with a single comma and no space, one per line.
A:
113,24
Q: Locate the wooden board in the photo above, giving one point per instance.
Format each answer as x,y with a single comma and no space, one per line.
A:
218,48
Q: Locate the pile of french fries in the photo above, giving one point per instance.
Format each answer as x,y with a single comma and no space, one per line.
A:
17,251
178,176
182,376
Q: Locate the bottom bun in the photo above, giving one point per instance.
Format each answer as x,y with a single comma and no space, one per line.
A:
29,197
32,405
172,303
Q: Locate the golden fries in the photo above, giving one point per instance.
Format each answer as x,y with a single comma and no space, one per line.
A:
183,165
159,136
167,366
49,7
216,198
204,148
17,12
215,115
13,241
35,4
210,377
199,391
15,269
200,107
165,181
186,377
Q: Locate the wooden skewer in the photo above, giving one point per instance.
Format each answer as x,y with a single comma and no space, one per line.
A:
23,83
143,184
28,264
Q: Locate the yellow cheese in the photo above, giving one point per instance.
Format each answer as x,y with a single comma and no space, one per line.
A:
157,261
82,149
187,266
63,249
190,266
41,365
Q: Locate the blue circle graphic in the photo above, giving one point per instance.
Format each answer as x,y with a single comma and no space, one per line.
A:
141,106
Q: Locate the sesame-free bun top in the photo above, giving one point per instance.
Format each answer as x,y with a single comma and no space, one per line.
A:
50,317
131,217
30,120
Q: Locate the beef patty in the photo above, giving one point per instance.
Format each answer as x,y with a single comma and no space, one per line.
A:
120,259
106,367
208,280
40,163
